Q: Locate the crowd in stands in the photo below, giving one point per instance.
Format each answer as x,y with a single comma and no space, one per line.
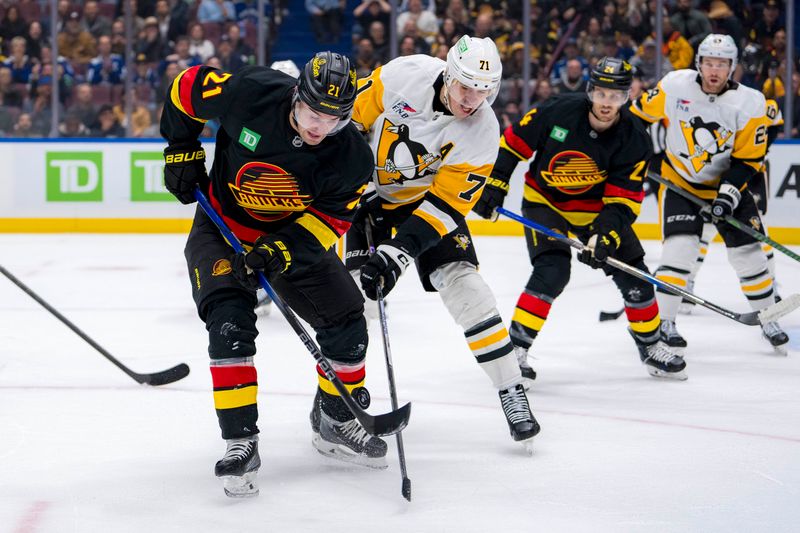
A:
567,38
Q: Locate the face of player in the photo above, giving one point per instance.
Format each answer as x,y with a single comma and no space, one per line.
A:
606,103
714,73
311,125
463,100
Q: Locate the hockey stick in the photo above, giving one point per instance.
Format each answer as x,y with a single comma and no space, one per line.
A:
380,425
405,489
157,378
753,318
706,207
610,315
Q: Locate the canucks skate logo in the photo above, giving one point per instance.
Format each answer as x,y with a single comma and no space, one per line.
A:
573,172
704,140
462,241
267,192
399,158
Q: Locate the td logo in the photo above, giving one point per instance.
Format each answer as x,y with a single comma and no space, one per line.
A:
147,178
74,176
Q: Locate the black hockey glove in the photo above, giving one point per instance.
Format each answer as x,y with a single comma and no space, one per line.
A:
269,255
384,268
184,168
725,203
493,196
600,247
369,209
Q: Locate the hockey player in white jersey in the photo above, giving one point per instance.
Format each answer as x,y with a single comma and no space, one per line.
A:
434,138
716,142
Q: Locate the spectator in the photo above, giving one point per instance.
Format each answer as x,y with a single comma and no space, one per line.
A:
637,88
627,48
74,43
141,120
83,106
484,25
216,11
34,40
411,30
10,96
590,41
40,107
63,10
66,74
691,23
725,22
440,51
240,48
140,10
408,47
796,104
377,34
326,19
645,63
457,11
764,30
570,52
12,24
118,37
676,48
610,47
773,84
368,11
543,92
150,43
107,124
572,79
509,115
182,56
144,74
72,126
170,73
107,67
753,65
18,61
198,44
425,21
229,61
365,58
24,127
449,32
96,23
173,19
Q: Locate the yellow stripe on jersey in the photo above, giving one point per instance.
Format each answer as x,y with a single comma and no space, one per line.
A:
369,102
651,105
460,185
325,235
175,97
350,206
437,224
576,218
750,143
505,146
233,398
635,206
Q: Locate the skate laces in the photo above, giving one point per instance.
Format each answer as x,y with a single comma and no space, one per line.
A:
239,449
659,352
515,404
352,430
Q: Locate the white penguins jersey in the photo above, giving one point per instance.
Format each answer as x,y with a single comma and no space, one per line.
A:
706,131
421,151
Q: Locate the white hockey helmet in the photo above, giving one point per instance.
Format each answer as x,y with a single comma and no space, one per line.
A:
717,45
287,67
476,64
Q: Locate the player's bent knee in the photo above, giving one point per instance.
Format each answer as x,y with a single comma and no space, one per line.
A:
748,260
231,325
464,292
551,273
680,251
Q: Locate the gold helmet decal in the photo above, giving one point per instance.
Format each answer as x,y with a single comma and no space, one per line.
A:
316,63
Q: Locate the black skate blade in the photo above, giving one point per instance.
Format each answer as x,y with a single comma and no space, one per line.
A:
164,377
387,423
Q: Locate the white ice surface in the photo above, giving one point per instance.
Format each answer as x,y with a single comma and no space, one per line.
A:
83,448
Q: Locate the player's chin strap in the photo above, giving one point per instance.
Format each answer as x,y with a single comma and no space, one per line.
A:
753,318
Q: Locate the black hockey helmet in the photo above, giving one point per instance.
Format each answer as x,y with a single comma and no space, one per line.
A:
611,73
328,84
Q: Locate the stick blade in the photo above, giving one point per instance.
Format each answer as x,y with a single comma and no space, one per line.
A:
164,377
782,308
387,423
406,490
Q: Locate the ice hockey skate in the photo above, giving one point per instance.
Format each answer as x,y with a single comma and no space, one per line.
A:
776,337
528,373
521,423
264,303
662,361
670,336
239,466
346,441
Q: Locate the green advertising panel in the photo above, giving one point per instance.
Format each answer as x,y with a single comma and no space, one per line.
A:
147,178
74,176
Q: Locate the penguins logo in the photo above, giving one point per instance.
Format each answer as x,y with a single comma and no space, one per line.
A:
267,192
573,172
399,158
462,241
704,140
755,222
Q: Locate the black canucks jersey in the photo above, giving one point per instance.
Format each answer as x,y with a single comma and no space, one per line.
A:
576,171
264,179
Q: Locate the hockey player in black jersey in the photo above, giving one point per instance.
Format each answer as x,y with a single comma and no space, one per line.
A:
288,171
589,160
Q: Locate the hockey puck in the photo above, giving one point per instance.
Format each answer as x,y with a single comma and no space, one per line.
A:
361,395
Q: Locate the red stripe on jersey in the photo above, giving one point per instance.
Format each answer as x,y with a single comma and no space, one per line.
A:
613,190
534,305
232,375
642,314
338,225
185,89
588,206
516,143
356,376
245,234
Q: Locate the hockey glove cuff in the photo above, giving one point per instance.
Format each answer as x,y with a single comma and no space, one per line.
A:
269,255
384,268
493,196
184,169
728,197
370,210
600,247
